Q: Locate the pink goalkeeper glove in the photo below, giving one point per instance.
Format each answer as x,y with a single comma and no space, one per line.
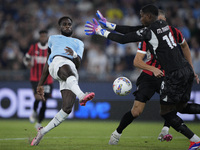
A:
104,21
95,28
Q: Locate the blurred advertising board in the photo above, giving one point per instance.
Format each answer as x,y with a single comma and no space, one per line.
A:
16,101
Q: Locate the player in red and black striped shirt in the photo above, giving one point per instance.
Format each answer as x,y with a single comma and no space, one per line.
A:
35,59
148,83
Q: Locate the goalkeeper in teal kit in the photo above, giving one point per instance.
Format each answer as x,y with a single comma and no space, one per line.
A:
63,60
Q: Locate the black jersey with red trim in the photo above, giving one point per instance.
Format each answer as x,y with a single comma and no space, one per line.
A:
164,47
179,39
38,55
160,42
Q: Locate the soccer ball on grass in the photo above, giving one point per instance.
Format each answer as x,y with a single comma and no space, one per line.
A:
122,86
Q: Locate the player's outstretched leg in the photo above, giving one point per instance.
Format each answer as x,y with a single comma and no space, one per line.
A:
38,125
194,146
38,138
87,97
164,135
114,138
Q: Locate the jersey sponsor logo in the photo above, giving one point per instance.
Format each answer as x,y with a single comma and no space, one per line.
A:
139,32
40,60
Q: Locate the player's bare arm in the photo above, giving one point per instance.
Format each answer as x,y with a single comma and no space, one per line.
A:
186,52
76,60
45,73
139,63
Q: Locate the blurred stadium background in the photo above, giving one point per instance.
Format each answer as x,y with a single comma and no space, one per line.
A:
20,21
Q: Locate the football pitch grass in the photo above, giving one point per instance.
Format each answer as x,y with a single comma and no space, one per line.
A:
90,135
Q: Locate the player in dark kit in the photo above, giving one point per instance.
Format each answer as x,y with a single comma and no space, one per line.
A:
35,59
179,75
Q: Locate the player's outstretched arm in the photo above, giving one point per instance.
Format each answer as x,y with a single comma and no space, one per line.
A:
186,52
119,28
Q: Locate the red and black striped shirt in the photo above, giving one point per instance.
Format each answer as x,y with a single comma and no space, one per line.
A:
38,54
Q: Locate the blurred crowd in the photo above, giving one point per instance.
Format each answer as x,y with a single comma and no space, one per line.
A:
21,20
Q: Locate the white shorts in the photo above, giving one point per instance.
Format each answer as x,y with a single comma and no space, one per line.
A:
58,62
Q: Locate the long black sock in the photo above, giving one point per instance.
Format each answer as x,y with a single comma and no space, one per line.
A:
41,115
191,109
166,124
35,105
125,121
177,123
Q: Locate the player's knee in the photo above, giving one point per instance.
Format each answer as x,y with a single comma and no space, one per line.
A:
67,110
64,72
136,112
166,109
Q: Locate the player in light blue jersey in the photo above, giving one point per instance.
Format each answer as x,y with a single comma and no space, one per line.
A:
63,60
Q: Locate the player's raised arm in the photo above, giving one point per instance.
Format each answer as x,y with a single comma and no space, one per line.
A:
143,34
119,28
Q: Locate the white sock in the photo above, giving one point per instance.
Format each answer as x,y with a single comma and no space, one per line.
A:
58,119
115,132
74,87
195,138
165,130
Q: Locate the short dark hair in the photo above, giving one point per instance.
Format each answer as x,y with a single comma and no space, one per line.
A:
150,9
43,31
62,18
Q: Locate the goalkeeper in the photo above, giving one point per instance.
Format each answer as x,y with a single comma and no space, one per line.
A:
150,79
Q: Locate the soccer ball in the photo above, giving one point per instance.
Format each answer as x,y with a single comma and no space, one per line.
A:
122,86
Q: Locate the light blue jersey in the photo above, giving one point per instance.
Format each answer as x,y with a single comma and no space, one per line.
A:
57,44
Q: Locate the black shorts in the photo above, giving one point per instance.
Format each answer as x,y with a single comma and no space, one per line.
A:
147,85
47,89
177,86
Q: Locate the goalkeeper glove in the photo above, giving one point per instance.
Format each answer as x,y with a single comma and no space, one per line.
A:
95,28
104,21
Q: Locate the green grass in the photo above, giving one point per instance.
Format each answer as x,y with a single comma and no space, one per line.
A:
90,135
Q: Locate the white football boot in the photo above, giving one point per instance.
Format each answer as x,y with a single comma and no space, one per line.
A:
38,138
114,138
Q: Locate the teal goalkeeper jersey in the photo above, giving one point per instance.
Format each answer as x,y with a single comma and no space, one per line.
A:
57,44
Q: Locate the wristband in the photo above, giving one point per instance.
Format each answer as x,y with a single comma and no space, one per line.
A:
111,26
75,55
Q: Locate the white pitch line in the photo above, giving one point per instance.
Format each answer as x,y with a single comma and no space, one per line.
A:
90,137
